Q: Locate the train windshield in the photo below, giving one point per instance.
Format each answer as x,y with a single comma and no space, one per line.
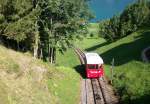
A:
92,66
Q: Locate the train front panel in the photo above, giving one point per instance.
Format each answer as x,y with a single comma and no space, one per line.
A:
94,71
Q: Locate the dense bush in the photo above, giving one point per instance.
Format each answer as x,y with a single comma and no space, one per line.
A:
133,89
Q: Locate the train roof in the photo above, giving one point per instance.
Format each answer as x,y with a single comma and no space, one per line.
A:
93,58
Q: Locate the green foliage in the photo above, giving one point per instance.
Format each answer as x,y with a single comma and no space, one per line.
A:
60,23
15,19
42,26
132,18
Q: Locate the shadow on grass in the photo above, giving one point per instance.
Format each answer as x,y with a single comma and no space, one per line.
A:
148,54
141,100
127,52
81,70
97,46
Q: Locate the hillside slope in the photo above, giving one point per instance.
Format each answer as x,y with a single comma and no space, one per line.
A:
22,79
25,80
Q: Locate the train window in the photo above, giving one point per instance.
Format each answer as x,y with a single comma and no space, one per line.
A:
91,66
96,66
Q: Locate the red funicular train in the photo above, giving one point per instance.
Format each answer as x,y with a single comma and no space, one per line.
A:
94,65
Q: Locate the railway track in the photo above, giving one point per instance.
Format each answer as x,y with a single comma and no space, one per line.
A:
95,91
81,55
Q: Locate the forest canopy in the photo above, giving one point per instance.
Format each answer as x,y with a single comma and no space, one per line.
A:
42,26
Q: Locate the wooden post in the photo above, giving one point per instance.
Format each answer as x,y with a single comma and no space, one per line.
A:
111,70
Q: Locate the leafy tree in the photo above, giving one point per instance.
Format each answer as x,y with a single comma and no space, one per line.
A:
42,26
61,21
132,18
18,21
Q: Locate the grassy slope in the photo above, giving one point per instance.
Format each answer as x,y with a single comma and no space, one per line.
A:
25,80
21,79
131,75
65,87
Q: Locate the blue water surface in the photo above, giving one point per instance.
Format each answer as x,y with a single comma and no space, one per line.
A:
104,9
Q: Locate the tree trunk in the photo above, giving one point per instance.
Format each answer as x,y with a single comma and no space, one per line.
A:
54,55
36,43
51,45
49,53
18,47
51,56
41,53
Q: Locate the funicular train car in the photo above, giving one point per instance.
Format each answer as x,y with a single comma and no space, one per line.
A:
94,65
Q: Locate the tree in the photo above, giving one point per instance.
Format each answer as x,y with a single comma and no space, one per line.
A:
131,19
18,22
42,26
61,21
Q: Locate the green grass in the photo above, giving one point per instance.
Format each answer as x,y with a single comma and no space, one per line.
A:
68,59
65,86
93,29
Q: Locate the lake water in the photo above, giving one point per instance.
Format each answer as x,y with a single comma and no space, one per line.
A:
104,9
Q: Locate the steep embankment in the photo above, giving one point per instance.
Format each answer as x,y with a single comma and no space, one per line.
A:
25,80
22,79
